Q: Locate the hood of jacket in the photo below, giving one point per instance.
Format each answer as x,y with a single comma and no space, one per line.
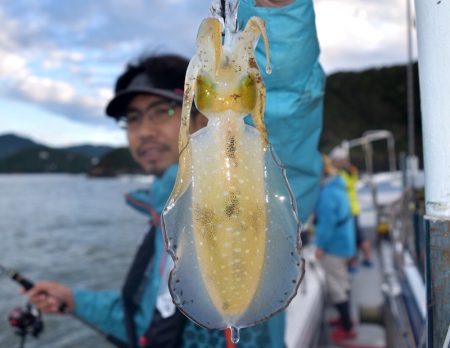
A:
151,201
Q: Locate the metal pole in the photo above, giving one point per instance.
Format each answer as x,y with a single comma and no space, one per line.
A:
410,84
438,280
412,162
433,32
391,153
368,150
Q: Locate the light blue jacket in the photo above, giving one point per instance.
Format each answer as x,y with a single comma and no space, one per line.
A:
294,103
294,120
335,228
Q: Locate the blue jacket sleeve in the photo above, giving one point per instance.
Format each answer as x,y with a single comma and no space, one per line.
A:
104,309
295,89
326,221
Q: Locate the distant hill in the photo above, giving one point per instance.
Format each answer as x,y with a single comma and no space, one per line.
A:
117,161
11,143
373,99
42,159
354,103
22,155
90,151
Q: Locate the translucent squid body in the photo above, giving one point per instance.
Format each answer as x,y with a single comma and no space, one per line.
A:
230,224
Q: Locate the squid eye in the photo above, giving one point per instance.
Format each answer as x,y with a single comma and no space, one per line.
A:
248,92
205,93
247,82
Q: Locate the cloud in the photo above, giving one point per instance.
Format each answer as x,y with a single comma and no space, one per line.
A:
54,59
56,95
66,58
11,64
359,34
44,89
105,24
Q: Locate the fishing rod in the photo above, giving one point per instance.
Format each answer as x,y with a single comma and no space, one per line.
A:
29,320
12,274
25,283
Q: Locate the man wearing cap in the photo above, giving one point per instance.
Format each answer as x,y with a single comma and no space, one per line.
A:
147,101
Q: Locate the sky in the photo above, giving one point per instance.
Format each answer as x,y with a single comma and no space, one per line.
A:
59,59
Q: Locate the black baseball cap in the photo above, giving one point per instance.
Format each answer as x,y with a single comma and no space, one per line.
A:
140,84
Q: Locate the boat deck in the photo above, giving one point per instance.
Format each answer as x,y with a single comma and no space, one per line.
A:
310,307
387,300
365,297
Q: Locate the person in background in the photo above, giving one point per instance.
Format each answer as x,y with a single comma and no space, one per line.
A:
335,244
340,158
147,102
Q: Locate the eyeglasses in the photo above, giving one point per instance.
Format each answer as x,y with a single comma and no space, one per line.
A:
158,112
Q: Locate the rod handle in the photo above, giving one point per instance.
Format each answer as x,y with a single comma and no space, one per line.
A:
27,285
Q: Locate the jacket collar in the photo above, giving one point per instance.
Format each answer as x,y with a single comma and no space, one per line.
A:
331,179
151,202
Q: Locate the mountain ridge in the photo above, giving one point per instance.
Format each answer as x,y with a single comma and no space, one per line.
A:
11,143
354,102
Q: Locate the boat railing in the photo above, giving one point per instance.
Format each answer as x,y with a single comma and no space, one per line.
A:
402,249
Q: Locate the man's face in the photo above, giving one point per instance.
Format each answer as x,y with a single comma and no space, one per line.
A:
340,163
153,128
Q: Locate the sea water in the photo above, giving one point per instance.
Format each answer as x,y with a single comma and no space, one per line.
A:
69,228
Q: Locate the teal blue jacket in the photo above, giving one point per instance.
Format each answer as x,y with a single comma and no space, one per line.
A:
294,121
335,229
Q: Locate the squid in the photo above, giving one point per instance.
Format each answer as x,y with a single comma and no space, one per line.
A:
230,223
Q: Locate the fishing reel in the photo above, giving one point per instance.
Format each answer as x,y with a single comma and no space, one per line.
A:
26,320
